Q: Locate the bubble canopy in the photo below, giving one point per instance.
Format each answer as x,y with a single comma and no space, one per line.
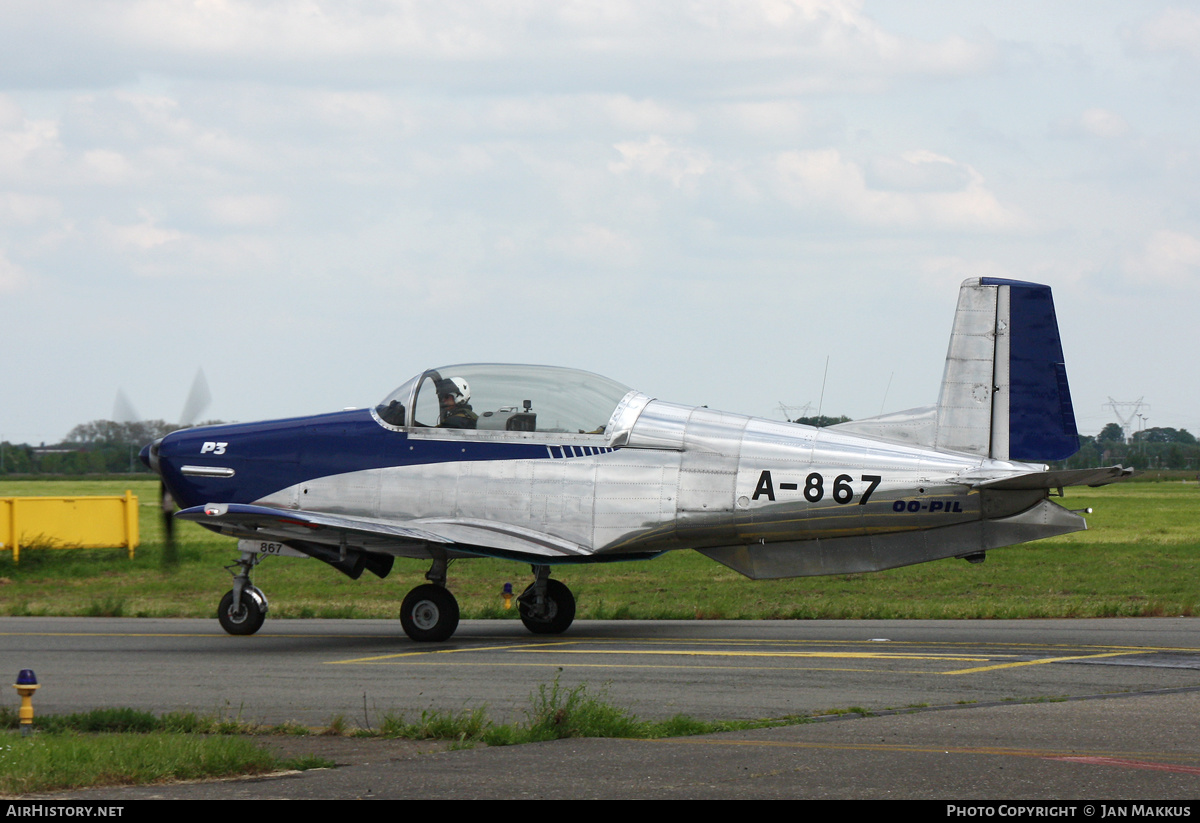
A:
510,398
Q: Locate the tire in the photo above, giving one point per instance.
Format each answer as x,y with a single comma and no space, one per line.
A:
248,619
560,607
429,614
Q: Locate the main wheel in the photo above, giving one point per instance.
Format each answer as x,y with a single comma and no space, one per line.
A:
429,614
246,620
559,613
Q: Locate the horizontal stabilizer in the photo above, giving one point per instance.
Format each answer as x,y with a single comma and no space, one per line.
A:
1052,479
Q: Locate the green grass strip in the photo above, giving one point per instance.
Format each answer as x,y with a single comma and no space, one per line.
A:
557,712
51,762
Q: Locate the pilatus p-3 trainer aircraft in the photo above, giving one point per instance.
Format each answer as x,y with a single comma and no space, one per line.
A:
552,467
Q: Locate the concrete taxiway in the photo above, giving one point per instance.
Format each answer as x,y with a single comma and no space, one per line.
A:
1114,717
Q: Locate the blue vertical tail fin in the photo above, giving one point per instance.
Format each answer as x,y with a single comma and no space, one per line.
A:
1004,391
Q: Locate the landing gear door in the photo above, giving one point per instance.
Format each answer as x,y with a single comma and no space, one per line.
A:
268,547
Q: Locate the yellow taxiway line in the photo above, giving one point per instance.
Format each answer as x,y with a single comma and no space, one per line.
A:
1044,660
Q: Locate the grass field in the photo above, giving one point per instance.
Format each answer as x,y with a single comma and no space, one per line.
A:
1140,557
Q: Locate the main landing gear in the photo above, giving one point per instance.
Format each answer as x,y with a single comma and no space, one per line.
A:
430,612
547,606
244,608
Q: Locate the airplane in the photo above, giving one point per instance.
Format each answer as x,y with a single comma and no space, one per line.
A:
554,466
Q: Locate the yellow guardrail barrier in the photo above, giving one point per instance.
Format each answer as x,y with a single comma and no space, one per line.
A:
69,523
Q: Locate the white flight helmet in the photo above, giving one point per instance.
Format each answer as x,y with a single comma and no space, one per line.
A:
456,385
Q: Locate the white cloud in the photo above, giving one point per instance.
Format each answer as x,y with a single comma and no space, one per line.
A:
1094,122
918,171
26,146
1172,30
658,158
12,276
940,193
835,30
11,116
1103,123
27,208
245,209
1170,258
600,44
647,115
142,236
350,109
774,118
105,166
320,29
157,110
511,115
596,244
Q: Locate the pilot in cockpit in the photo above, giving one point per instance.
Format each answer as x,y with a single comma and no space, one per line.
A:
454,397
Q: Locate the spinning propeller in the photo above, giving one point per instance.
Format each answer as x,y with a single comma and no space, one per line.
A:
198,400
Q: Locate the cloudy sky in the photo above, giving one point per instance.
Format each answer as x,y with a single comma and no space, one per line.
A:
706,200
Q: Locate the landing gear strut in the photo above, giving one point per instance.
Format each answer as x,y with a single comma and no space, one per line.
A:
244,608
547,606
429,613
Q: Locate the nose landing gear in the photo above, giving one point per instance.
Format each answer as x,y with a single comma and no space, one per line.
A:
245,618
244,608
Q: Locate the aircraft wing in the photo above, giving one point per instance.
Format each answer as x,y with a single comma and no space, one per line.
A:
1048,479
401,538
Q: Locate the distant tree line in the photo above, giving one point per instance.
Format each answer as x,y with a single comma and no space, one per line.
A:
1156,448
821,420
98,447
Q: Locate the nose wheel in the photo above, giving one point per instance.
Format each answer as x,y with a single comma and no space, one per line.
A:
244,608
246,617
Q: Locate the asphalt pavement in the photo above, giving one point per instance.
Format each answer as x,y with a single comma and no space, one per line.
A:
1056,710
